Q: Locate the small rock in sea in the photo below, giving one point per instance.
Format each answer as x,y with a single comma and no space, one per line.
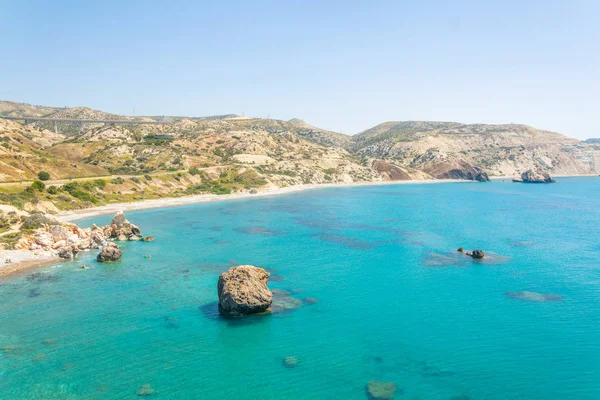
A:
380,390
460,250
310,300
39,357
534,297
102,388
148,239
243,290
477,254
291,361
49,342
86,266
145,390
111,252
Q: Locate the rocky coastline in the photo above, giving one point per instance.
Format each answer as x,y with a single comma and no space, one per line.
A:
56,240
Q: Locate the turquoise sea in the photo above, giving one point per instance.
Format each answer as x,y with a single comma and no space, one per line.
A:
396,302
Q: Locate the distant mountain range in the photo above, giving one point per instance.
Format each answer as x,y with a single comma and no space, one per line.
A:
282,153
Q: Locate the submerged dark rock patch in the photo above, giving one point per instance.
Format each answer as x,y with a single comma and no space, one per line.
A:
380,390
171,322
523,244
290,361
35,292
43,277
258,230
211,310
283,302
436,260
534,296
351,243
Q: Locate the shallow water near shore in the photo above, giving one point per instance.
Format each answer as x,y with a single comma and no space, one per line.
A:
386,297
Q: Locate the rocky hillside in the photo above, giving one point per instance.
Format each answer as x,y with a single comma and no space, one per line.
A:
223,154
12,109
24,151
439,148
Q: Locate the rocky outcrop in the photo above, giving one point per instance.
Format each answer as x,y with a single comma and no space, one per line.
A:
121,229
66,240
243,290
148,239
535,177
111,252
391,171
455,170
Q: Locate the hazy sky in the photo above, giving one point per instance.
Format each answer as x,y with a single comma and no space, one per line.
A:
341,65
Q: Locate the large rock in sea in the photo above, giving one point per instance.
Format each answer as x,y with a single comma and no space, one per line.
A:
243,290
121,229
532,176
111,252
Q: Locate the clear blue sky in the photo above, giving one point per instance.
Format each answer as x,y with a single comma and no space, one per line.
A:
342,65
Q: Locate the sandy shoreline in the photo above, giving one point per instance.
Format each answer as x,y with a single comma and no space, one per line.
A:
70,216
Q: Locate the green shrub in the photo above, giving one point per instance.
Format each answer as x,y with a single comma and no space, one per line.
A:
52,190
38,185
117,181
194,171
101,183
148,177
221,190
35,221
70,187
135,180
43,175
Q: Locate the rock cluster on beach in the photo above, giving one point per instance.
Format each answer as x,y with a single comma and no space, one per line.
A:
66,239
531,176
243,290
